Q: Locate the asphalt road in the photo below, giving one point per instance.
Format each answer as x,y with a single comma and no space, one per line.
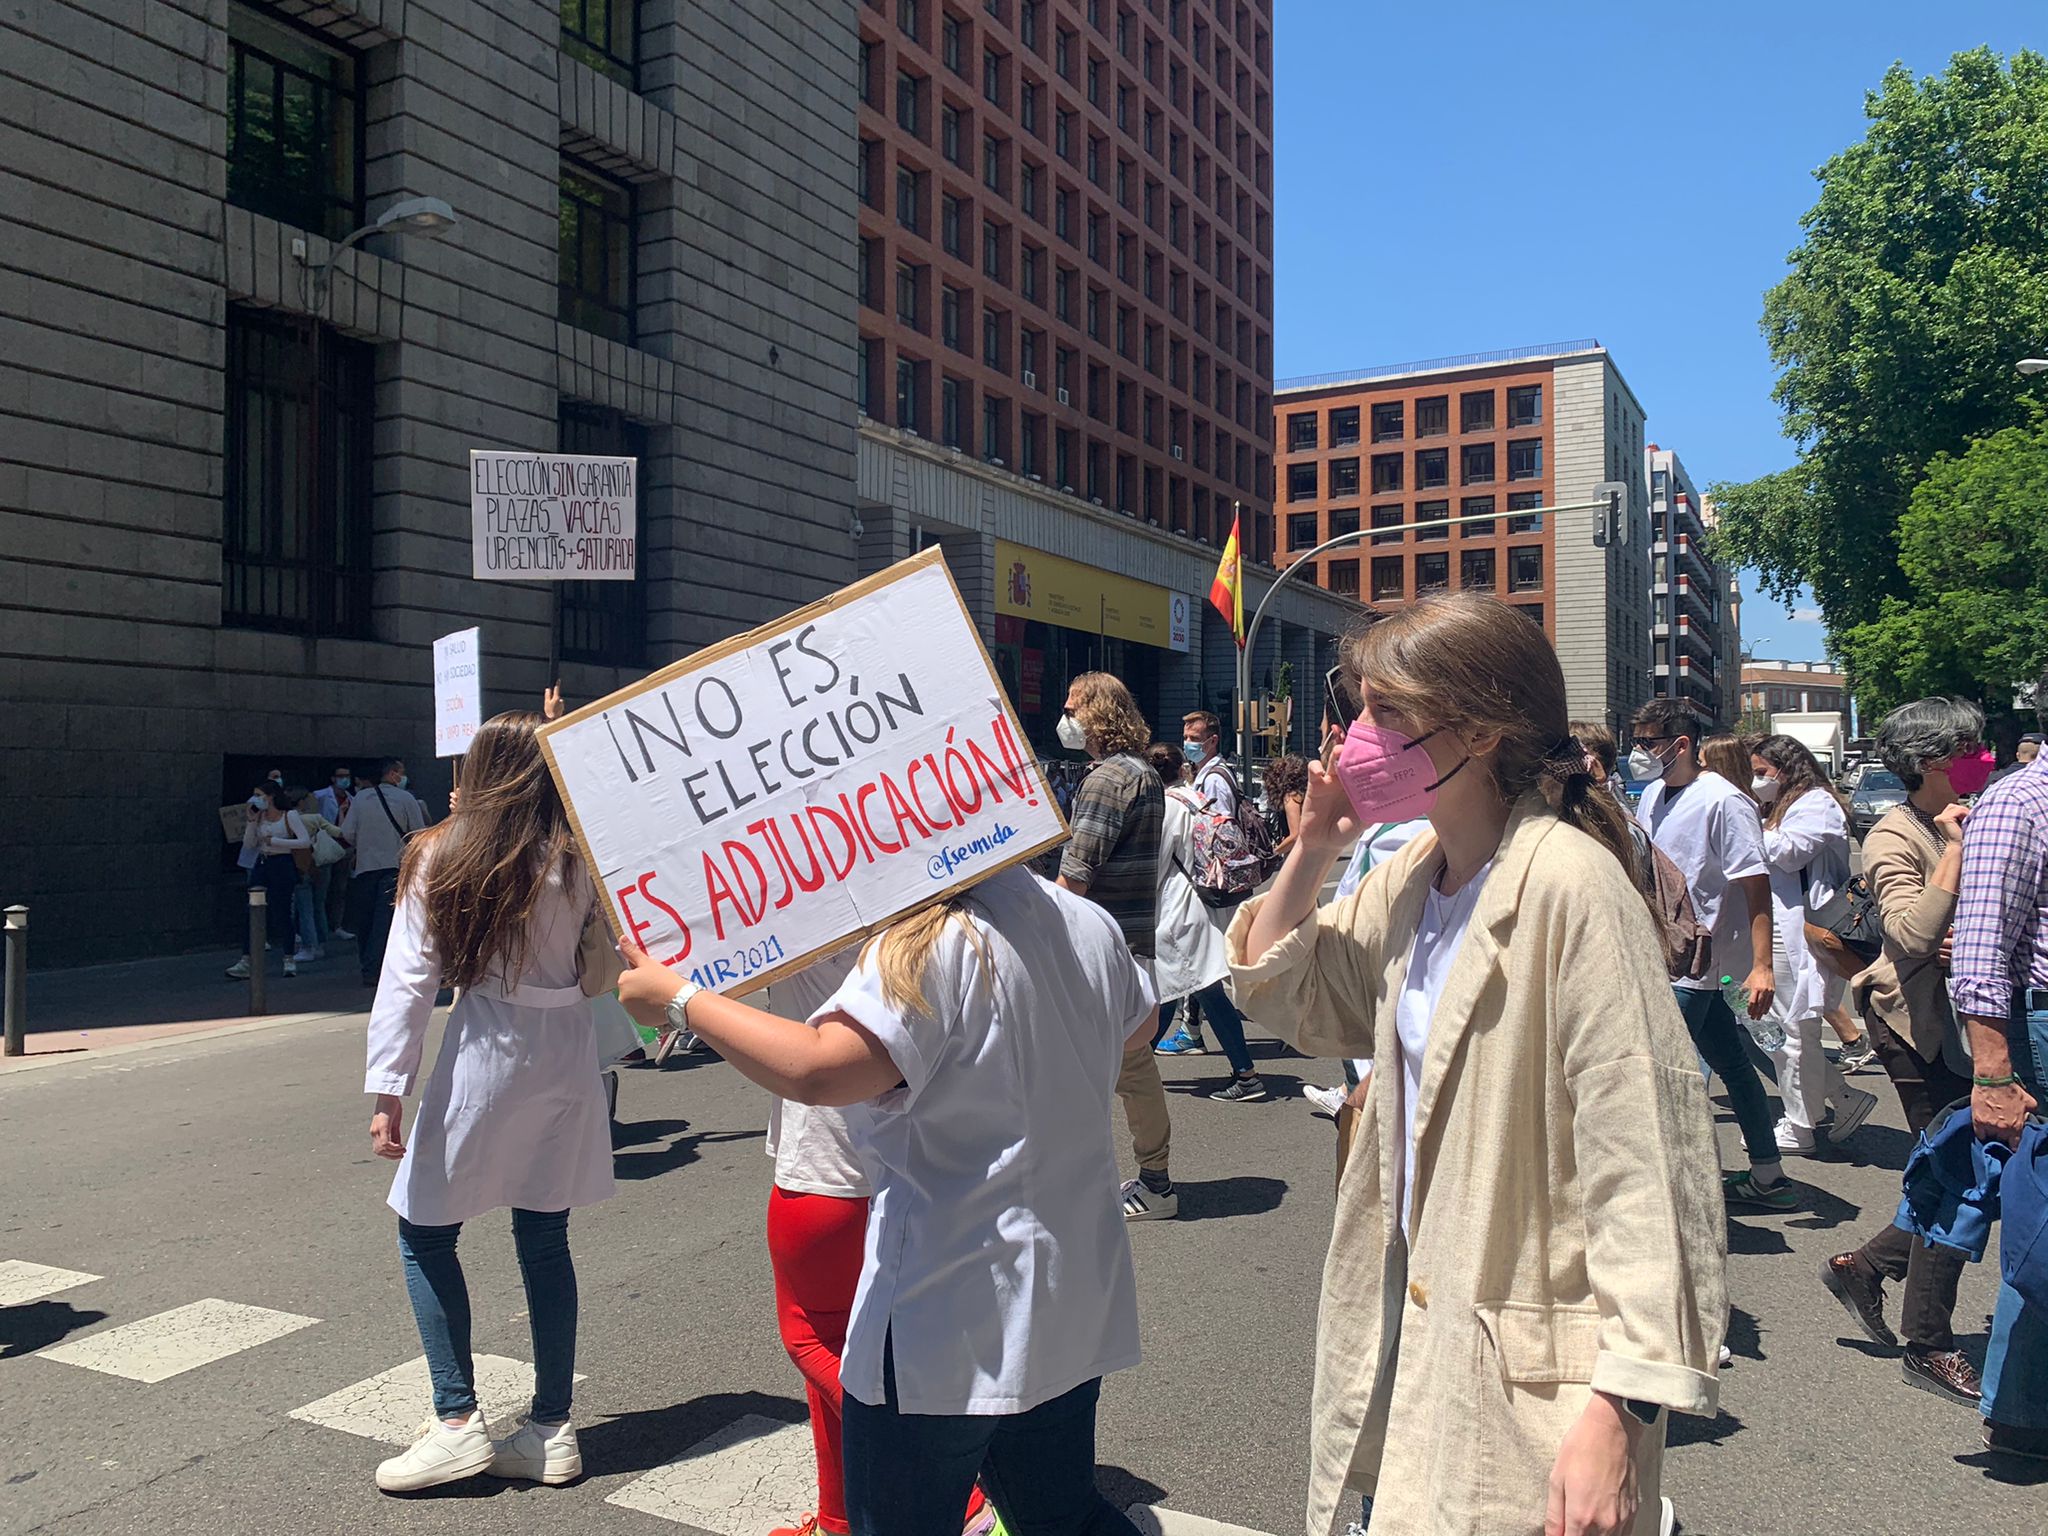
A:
239,1169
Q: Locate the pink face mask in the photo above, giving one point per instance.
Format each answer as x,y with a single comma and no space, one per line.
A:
1969,772
1387,776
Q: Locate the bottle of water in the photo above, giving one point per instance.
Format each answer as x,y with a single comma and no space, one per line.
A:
1767,1032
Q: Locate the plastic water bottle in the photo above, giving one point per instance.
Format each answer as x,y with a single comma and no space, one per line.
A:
1767,1032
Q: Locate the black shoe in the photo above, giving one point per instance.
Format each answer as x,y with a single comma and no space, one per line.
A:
1862,1298
1944,1372
2015,1440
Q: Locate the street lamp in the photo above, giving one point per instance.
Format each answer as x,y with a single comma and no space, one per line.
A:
2032,365
428,217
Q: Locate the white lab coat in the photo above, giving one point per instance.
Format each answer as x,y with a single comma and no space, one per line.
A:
1187,945
513,1113
1813,835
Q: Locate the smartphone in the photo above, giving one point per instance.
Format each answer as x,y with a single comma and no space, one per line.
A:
1341,713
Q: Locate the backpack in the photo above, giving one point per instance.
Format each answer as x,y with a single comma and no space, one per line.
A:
1688,948
1233,854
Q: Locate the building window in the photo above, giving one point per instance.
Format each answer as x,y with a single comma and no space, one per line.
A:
1524,503
1063,294
1525,405
602,622
949,225
909,195
992,76
950,413
868,170
1476,570
1432,468
1301,431
908,394
906,17
991,249
992,337
294,145
1388,517
1342,523
1386,473
1525,459
1030,261
295,529
596,260
1475,463
1432,572
909,102
1387,576
1433,416
950,30
949,317
1344,477
1301,482
992,162
991,427
1344,578
1386,422
1533,612
1344,426
1475,411
605,34
1027,106
1525,569
949,134
864,375
1436,512
906,294
1481,507
1301,530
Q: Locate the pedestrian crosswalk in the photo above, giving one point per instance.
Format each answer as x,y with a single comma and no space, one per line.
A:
745,1477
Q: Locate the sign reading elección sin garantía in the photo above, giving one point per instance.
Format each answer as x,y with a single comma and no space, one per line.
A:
553,517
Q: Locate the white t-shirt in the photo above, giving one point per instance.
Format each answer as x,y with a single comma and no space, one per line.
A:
812,1148
1438,937
1215,783
1712,832
996,1249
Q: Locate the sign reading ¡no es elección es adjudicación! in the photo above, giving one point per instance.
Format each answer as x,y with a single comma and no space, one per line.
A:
553,517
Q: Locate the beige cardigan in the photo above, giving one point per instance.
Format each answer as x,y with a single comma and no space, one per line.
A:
1900,854
1568,1230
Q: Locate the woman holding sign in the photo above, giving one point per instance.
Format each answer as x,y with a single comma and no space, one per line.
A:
992,1301
493,901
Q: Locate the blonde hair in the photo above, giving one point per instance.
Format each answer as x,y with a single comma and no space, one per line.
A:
1728,755
902,952
1110,715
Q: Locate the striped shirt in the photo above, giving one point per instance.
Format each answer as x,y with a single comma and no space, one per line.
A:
1115,848
2001,934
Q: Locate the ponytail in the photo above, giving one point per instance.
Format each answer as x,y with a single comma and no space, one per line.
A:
1582,801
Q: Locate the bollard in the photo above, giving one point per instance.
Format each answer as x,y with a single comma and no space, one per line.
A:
259,921
17,979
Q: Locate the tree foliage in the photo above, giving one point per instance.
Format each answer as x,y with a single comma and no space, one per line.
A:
1973,556
1922,277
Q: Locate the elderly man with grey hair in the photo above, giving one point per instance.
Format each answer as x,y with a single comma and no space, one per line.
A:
1913,864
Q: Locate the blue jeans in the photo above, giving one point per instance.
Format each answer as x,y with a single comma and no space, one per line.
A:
310,916
2016,1360
909,1474
440,1305
1723,1044
1222,1013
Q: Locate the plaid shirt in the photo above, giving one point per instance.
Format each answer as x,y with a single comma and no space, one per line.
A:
2002,917
1116,819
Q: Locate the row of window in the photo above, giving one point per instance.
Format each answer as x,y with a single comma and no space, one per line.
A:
1305,530
1477,465
1476,413
1478,571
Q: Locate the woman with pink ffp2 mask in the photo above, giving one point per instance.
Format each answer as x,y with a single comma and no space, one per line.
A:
1517,1294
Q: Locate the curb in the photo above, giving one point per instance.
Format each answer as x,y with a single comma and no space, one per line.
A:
32,1063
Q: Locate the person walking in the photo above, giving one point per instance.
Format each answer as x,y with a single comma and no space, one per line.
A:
1187,951
269,841
1113,860
309,897
995,1294
1913,865
2024,754
1999,986
1516,1296
494,902
1806,845
380,819
1206,772
331,882
1708,826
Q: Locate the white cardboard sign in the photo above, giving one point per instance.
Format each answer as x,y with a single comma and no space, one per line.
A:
781,794
553,517
458,691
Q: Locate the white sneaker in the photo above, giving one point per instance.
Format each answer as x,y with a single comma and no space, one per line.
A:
442,1453
302,953
1793,1138
291,966
1851,1115
1141,1204
239,971
1727,1357
1667,1518
339,933
539,1453
1324,1101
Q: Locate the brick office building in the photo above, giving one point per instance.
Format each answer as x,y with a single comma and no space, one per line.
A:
1498,436
235,503
1066,350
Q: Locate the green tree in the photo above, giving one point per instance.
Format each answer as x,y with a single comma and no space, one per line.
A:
1973,554
1921,278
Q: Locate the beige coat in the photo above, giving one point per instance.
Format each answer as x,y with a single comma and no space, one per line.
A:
1900,854
1567,1224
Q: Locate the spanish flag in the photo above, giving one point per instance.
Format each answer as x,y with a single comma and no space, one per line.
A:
1226,592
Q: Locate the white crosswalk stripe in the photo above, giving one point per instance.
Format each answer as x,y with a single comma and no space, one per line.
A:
22,1281
389,1406
182,1339
1168,1522
751,1475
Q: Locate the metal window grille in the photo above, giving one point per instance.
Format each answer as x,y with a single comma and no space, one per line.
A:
604,622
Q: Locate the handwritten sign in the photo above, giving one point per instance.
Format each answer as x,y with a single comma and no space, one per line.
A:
458,691
552,517
776,796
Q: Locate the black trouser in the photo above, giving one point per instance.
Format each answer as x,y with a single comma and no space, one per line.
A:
1925,1089
373,893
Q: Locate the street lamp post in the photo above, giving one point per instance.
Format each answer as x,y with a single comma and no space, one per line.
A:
427,217
2032,365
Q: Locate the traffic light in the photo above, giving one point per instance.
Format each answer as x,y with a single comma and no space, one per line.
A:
1610,522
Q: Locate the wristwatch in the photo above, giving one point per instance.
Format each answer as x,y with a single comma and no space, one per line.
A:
679,1006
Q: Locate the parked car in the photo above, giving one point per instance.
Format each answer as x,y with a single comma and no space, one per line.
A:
1877,791
1853,775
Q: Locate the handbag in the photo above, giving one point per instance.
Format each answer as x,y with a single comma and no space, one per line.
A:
328,849
1846,930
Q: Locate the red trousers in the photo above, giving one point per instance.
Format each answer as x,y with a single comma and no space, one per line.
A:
815,1246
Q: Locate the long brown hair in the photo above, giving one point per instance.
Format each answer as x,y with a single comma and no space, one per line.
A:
1728,755
1111,715
1798,771
481,873
1467,661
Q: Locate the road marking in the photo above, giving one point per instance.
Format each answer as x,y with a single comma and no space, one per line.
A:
389,1406
22,1281
1168,1522
179,1340
754,1473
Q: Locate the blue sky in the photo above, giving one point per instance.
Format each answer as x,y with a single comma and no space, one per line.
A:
1459,178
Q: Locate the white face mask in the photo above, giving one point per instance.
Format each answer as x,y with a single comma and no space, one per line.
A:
1766,790
1645,764
1071,736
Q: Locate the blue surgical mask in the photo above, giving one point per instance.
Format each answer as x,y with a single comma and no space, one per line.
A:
403,780
1195,751
341,783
